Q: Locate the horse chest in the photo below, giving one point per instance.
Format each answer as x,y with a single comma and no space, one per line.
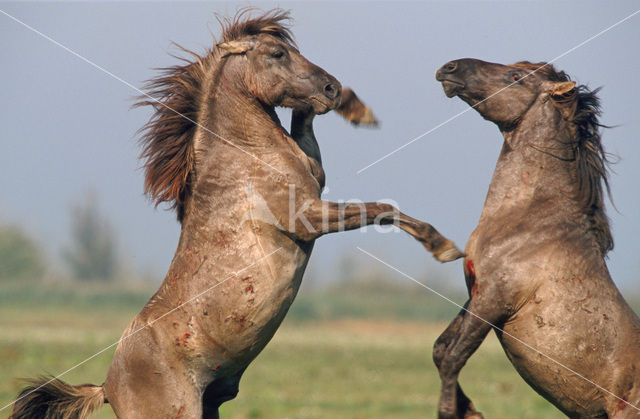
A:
312,164
306,150
316,170
485,261
309,173
477,247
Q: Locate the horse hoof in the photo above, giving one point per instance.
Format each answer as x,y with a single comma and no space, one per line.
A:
450,253
473,415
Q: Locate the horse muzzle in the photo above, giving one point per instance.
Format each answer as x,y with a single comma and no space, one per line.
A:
451,84
328,100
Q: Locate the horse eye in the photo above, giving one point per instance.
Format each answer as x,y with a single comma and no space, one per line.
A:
277,54
515,77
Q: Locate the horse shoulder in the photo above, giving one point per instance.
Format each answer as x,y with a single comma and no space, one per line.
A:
303,162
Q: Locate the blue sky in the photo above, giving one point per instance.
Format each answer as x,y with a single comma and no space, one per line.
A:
67,128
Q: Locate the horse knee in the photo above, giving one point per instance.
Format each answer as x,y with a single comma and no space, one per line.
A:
220,391
443,342
439,351
445,339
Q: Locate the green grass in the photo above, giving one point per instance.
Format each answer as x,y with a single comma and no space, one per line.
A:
377,363
374,300
364,369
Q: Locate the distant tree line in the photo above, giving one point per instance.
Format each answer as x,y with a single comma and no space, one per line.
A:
91,255
20,256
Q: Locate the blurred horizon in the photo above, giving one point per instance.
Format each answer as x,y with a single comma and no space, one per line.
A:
68,130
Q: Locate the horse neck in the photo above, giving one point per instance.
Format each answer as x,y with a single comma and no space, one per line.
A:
234,135
231,114
536,167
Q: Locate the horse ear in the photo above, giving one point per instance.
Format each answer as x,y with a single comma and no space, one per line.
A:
562,88
563,96
353,110
237,47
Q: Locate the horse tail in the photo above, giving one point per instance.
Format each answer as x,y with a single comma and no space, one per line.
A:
50,398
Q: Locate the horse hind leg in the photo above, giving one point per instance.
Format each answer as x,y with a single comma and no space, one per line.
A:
450,352
210,412
217,392
141,384
463,403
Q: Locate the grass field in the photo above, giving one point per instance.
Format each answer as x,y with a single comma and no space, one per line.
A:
356,366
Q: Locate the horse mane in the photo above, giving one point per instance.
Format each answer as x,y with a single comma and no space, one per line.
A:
270,23
581,107
167,139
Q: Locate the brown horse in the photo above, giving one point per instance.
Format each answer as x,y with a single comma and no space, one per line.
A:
248,196
535,264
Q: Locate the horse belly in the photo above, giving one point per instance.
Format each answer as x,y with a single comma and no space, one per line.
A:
238,321
271,294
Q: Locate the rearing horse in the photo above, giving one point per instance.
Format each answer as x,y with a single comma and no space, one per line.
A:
535,264
248,196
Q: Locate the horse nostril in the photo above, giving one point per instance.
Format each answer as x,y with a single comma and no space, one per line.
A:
331,90
450,67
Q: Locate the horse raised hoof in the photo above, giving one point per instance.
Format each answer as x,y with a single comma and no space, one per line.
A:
467,415
448,253
355,111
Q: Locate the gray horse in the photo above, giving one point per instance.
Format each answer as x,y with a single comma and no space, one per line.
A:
535,264
248,196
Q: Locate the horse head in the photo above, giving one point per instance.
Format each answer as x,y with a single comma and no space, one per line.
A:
484,85
276,73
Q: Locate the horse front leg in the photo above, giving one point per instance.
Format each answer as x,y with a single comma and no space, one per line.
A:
464,406
461,339
322,217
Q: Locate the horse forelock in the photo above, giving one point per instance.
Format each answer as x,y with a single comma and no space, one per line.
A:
582,108
167,139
